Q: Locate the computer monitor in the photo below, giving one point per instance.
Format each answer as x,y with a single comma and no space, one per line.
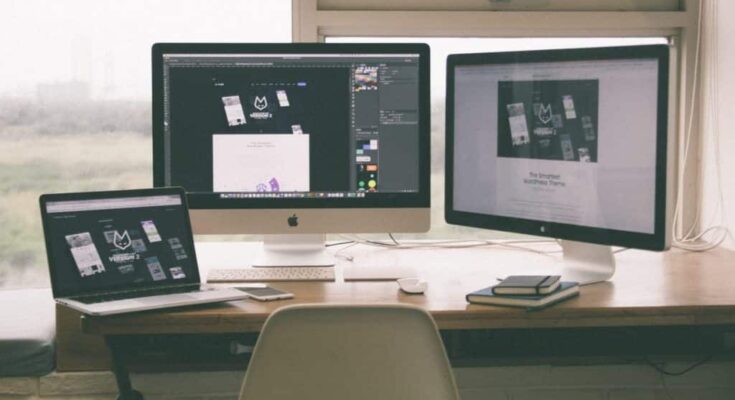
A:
294,141
569,144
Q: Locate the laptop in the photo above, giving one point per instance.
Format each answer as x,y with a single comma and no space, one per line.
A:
122,251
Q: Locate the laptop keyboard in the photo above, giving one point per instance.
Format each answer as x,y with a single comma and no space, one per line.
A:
136,294
271,274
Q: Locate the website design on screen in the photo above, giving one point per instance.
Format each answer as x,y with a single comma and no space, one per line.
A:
564,142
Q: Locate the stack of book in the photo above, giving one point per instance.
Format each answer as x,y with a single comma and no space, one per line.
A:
529,291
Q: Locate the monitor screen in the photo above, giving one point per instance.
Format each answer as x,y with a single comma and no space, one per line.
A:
115,242
293,124
564,142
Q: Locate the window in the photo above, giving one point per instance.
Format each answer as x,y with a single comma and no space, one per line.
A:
440,49
76,114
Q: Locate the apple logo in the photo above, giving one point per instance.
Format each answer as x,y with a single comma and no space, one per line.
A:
293,220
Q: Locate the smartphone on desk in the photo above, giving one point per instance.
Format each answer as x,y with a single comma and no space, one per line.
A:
266,293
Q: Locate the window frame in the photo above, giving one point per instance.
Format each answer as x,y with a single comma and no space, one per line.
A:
312,23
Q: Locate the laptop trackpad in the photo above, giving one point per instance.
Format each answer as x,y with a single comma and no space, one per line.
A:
168,299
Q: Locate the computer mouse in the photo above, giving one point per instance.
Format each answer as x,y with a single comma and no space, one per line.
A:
412,285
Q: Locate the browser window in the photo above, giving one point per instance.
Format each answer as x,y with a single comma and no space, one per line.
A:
105,243
565,142
291,125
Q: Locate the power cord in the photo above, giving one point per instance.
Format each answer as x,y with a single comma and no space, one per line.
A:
339,243
354,240
715,235
452,244
660,367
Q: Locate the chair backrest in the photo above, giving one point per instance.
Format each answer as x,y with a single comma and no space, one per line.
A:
349,352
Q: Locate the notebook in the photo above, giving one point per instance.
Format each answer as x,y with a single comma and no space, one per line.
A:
486,296
527,284
121,251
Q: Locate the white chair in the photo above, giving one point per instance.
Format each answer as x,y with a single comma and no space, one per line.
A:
376,352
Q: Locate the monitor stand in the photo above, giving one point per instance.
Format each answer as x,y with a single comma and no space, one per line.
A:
587,263
297,250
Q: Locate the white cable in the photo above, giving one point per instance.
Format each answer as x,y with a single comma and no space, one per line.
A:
717,233
454,244
694,244
712,116
701,242
688,134
339,254
715,127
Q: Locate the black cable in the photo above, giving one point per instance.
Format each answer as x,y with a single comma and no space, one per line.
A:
339,243
660,369
632,334
377,243
393,239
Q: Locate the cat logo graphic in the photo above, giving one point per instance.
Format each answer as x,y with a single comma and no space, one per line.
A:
260,103
544,113
123,241
260,112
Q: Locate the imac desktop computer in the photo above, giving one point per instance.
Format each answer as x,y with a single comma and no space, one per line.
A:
568,144
294,141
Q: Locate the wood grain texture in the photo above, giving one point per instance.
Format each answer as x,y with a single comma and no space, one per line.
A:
648,289
77,351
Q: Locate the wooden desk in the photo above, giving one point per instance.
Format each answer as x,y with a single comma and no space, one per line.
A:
648,289
670,288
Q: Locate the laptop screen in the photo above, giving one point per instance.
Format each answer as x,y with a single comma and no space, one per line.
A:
118,243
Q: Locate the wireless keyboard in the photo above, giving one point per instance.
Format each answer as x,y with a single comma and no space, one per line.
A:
271,274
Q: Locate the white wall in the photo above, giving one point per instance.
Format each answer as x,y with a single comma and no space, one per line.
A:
719,64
